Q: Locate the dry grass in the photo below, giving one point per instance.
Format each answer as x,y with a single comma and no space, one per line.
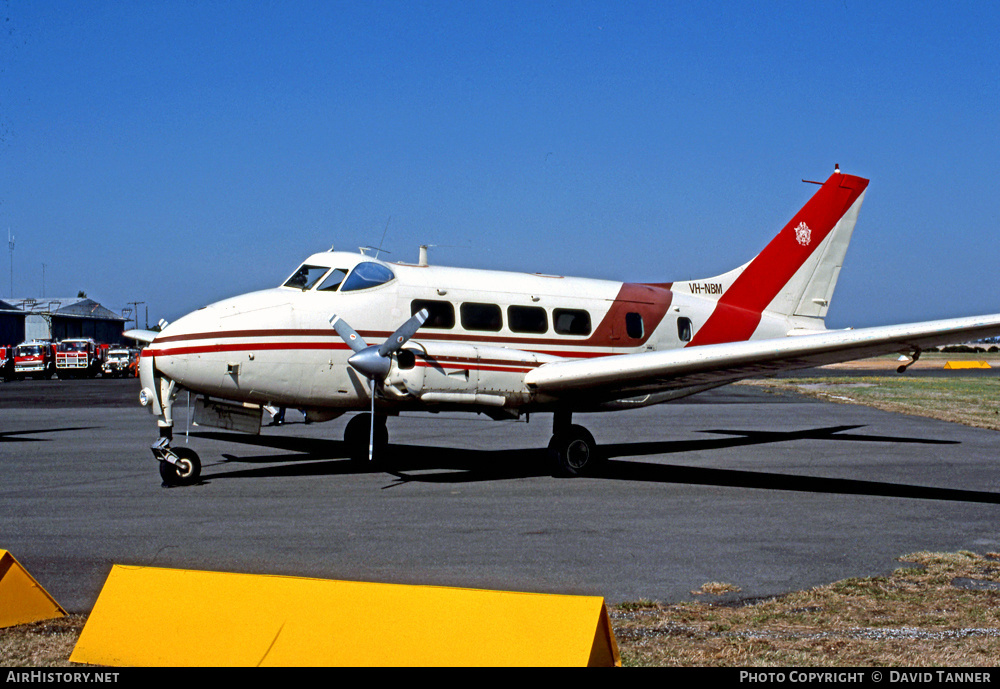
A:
41,644
966,400
715,588
943,612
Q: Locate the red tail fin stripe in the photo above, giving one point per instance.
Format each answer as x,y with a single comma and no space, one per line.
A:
739,310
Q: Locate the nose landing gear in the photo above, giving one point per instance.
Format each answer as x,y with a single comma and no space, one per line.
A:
178,466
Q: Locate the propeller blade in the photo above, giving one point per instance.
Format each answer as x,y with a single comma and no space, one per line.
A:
403,333
347,333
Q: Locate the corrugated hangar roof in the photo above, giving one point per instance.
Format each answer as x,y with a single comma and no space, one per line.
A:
88,308
75,307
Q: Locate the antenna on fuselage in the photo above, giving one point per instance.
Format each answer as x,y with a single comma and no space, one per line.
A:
382,241
365,249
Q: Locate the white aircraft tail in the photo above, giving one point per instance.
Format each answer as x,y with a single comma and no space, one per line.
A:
794,276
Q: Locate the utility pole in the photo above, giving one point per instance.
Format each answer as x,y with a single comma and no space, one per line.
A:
10,244
43,281
135,312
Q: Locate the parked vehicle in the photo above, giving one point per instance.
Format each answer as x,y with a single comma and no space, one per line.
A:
36,359
79,357
119,362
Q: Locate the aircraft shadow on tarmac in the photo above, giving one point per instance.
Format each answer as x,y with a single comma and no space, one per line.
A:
411,463
15,436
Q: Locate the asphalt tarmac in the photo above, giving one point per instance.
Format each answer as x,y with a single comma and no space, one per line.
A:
769,492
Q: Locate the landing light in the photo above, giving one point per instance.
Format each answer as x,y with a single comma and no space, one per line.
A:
145,397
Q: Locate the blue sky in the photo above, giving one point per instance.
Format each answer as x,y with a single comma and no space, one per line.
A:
177,153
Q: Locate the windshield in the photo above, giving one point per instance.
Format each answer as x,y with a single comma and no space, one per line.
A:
306,276
29,350
367,275
333,280
72,347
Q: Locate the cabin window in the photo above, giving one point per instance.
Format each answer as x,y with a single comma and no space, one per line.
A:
442,313
481,316
684,329
366,275
633,325
306,276
527,319
571,321
333,280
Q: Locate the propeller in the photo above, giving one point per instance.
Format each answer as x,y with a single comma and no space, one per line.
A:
374,361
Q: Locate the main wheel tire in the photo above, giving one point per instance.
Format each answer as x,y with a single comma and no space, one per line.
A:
574,452
186,472
356,436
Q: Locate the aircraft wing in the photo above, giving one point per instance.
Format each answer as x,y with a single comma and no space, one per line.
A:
629,375
146,336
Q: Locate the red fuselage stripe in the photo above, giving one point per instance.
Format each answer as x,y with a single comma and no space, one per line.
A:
292,346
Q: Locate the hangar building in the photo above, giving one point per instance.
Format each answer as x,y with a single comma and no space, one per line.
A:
59,319
11,324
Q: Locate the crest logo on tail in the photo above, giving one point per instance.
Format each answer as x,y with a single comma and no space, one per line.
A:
803,235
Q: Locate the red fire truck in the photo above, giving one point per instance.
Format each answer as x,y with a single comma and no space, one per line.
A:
79,357
36,359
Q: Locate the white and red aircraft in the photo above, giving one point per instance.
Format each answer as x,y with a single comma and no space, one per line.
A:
348,332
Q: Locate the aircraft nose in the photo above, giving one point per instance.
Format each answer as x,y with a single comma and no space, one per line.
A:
204,320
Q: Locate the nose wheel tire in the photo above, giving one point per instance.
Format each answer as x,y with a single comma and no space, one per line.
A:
574,452
185,472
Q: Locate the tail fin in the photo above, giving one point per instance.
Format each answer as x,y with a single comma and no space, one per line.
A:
794,276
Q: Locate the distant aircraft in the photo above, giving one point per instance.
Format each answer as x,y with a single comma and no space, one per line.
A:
348,332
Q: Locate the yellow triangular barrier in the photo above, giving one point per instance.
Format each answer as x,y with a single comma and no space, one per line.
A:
22,600
169,617
967,364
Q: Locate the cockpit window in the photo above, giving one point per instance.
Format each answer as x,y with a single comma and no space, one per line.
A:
333,280
306,276
367,275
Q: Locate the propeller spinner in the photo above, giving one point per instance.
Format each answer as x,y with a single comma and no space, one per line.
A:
374,361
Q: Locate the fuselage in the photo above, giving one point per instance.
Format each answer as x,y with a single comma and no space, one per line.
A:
485,331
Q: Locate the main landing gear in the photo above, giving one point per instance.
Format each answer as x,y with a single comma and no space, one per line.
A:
572,450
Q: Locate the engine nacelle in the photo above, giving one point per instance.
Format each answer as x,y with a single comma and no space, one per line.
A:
454,373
